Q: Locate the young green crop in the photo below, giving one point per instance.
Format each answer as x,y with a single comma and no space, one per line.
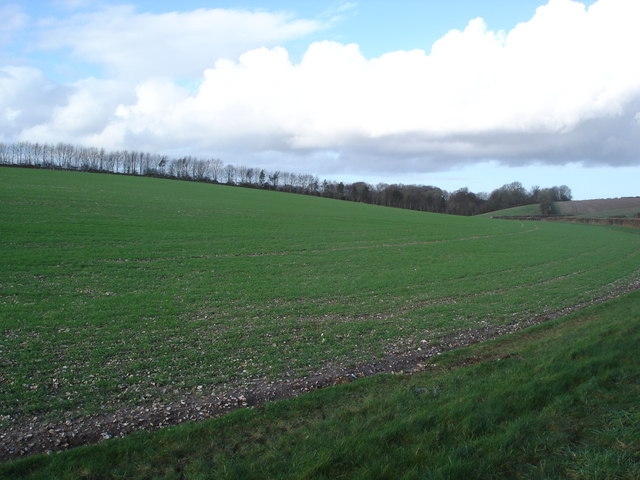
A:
117,291
555,401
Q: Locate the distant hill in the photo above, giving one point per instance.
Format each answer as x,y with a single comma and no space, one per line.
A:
533,209
605,207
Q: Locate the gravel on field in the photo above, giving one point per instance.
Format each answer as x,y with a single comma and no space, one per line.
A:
38,436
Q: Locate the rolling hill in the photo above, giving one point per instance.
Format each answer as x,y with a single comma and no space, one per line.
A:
125,299
604,207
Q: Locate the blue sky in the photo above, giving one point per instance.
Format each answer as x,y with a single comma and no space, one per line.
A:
454,93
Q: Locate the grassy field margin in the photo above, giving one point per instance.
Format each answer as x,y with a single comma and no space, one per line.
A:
557,400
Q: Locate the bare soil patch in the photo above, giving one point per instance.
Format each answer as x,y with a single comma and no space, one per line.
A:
586,207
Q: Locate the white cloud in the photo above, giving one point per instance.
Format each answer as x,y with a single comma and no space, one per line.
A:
477,94
26,98
81,111
175,44
562,87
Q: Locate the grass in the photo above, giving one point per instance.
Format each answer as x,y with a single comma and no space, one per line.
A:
555,401
118,291
533,209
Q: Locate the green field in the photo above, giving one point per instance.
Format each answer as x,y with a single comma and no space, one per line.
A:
533,209
118,291
557,401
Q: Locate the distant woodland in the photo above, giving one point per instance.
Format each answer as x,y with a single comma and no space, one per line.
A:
415,197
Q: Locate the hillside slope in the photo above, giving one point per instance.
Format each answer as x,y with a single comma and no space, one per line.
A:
130,296
606,207
533,209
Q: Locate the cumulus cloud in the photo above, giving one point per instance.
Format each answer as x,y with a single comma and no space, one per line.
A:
561,87
530,93
81,110
26,98
175,44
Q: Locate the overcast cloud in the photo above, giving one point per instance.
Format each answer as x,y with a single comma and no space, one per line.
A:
562,87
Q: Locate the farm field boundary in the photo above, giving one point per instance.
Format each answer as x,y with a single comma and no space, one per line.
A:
621,222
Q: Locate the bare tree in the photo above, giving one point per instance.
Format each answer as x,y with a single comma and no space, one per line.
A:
199,169
230,174
216,167
274,178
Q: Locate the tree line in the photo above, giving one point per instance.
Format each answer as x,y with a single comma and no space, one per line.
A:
426,198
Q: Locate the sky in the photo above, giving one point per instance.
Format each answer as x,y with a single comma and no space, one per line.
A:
450,93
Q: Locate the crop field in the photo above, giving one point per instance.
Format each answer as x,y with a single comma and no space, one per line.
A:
555,401
122,291
533,209
607,207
